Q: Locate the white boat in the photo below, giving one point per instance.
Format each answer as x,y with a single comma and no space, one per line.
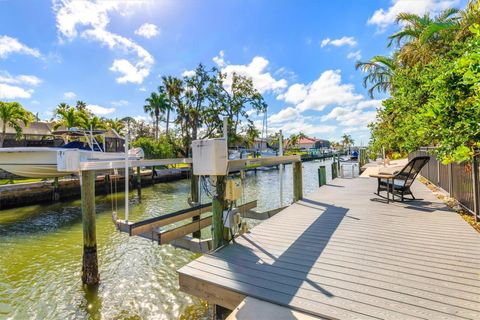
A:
43,162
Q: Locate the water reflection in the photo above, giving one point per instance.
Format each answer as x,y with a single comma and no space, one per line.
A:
41,254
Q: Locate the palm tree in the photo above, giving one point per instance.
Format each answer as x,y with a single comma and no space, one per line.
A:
81,105
69,118
94,123
380,72
12,114
115,124
468,17
171,85
422,35
347,140
156,106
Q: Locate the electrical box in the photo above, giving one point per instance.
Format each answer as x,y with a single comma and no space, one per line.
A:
68,160
210,157
232,190
231,218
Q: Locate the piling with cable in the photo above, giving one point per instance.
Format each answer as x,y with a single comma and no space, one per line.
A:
90,274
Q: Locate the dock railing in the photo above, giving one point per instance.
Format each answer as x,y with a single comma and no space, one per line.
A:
459,180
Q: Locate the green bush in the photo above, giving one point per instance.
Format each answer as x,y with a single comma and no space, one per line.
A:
155,150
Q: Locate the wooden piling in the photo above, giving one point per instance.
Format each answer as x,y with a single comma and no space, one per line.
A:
194,198
297,181
56,186
90,274
139,184
334,170
322,176
218,205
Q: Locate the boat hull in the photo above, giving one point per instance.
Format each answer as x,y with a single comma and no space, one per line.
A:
42,162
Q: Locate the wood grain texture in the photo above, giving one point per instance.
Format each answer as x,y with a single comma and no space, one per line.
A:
342,253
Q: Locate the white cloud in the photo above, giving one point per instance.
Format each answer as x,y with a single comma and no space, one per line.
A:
188,73
219,61
256,69
69,95
140,118
13,92
90,19
148,30
356,55
301,124
382,18
31,80
296,93
286,114
142,89
100,111
327,90
369,104
343,41
349,116
119,103
10,45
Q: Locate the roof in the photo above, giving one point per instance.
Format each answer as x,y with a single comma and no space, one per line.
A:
307,140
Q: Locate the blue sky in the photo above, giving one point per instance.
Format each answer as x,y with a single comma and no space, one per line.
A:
110,54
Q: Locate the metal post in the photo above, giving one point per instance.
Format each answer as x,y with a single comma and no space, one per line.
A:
280,152
90,262
126,177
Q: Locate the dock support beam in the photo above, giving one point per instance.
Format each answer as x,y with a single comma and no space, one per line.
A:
194,198
322,176
90,262
218,205
297,181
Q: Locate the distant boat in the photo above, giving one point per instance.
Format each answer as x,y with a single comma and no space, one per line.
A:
42,162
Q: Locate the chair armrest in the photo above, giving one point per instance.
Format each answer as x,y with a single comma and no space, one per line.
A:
383,176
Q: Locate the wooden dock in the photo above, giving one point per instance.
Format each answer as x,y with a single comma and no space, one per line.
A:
342,253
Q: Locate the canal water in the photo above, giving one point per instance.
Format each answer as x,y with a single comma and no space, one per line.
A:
41,254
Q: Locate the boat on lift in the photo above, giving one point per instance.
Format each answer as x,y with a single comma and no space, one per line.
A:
43,162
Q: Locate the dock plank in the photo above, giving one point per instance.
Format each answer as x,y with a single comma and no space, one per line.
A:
342,254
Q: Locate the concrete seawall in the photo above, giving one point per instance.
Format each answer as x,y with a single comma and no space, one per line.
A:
24,194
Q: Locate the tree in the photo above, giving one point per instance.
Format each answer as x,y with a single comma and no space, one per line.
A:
12,114
156,106
81,106
94,123
380,73
171,87
347,140
251,133
423,35
115,124
236,94
69,117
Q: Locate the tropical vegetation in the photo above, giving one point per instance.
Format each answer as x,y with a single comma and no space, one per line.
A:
12,114
433,81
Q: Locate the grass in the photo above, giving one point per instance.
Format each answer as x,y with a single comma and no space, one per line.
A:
452,203
16,181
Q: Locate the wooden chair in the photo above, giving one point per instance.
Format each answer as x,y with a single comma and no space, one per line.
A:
399,183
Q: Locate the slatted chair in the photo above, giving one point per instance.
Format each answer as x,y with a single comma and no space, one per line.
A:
399,183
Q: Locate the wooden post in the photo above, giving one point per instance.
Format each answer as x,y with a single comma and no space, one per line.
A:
334,170
56,185
139,184
90,263
322,176
297,181
475,188
194,198
218,205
